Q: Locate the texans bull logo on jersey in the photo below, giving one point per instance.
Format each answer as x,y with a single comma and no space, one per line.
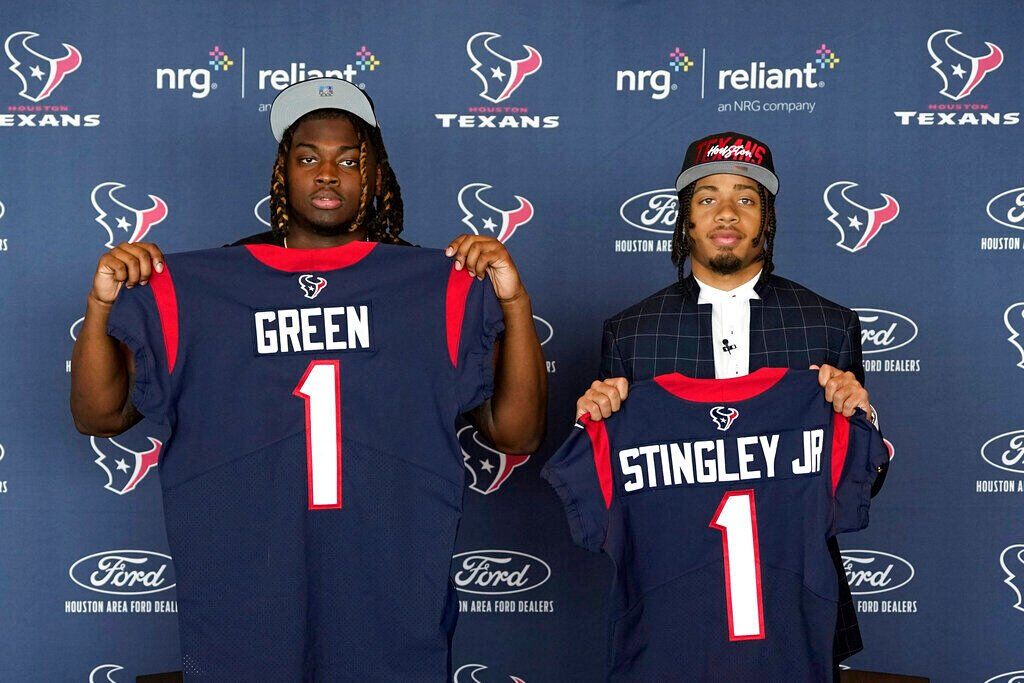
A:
134,223
129,467
500,75
957,81
488,467
473,673
861,223
481,216
312,285
724,417
40,75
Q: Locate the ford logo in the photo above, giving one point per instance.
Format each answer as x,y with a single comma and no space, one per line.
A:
882,331
262,211
498,572
1008,211
872,571
653,211
1008,677
1005,451
544,330
124,572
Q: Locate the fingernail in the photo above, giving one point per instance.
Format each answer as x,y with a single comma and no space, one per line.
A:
129,286
449,251
144,283
159,266
458,265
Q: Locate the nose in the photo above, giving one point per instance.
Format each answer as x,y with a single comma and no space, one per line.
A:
726,215
327,174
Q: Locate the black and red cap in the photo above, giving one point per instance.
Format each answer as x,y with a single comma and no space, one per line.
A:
728,152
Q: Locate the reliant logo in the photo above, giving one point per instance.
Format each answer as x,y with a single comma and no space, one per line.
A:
501,76
960,75
1007,208
498,572
1012,562
857,224
39,76
470,673
488,468
102,673
1013,318
759,76
882,331
652,211
124,572
657,81
1005,451
872,571
198,81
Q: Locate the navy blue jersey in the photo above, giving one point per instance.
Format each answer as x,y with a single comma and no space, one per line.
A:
715,498
313,481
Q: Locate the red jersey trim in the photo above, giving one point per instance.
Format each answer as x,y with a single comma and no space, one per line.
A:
459,282
598,434
715,390
167,308
840,447
298,260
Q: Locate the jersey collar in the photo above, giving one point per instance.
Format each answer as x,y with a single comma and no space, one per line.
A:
716,390
299,260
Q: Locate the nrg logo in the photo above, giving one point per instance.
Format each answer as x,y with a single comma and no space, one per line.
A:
197,80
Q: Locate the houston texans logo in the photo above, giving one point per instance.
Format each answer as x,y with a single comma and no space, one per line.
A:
312,285
130,467
480,216
42,74
488,467
104,670
1012,562
500,75
861,223
135,223
724,417
957,81
468,673
1013,318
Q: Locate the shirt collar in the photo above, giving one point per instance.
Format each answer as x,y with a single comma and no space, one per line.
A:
711,295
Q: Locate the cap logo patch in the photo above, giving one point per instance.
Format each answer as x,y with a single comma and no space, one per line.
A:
729,152
326,90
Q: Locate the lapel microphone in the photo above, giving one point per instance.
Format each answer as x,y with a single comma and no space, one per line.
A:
727,347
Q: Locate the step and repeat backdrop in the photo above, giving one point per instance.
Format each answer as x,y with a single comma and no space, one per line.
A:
558,128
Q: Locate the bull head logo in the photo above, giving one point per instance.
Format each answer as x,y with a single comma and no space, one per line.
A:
468,673
312,285
861,223
130,467
724,417
1013,318
489,468
481,216
135,223
500,75
958,81
1012,562
41,74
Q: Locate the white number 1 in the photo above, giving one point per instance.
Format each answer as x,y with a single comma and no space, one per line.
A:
736,518
320,388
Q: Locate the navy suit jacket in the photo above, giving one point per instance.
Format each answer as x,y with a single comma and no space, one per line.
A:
790,327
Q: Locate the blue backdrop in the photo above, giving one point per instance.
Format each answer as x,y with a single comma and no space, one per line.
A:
903,117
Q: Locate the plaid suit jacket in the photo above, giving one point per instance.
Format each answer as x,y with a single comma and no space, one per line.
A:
790,327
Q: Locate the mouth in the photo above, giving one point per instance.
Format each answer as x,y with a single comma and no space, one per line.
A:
726,238
326,201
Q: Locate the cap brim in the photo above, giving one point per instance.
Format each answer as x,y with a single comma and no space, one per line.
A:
299,99
752,171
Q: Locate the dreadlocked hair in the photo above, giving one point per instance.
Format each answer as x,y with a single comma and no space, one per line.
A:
382,215
681,241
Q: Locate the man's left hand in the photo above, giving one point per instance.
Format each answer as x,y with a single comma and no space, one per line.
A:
480,255
843,390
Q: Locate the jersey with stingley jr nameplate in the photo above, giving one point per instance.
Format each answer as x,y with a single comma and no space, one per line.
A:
715,499
313,480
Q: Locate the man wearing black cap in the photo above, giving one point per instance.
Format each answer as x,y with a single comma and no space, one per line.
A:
730,315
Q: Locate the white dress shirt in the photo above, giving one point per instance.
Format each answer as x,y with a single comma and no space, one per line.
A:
730,326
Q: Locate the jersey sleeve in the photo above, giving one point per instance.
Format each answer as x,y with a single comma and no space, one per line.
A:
145,319
473,320
857,455
580,472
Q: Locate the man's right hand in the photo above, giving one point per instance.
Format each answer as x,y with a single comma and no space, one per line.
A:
603,398
125,265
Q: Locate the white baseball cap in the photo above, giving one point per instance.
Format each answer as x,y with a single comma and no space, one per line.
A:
299,99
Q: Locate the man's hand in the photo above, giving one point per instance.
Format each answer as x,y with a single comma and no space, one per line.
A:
480,255
842,390
603,398
125,265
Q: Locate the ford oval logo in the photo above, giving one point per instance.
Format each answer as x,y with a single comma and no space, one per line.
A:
882,331
653,211
124,572
872,571
262,211
498,572
1005,451
544,330
1008,211
1008,677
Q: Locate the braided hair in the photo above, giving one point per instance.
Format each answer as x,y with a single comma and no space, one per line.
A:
682,242
381,215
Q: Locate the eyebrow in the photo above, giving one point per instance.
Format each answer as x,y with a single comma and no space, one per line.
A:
712,188
315,148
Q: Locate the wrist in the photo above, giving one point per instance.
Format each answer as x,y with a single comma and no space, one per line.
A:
520,298
99,305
